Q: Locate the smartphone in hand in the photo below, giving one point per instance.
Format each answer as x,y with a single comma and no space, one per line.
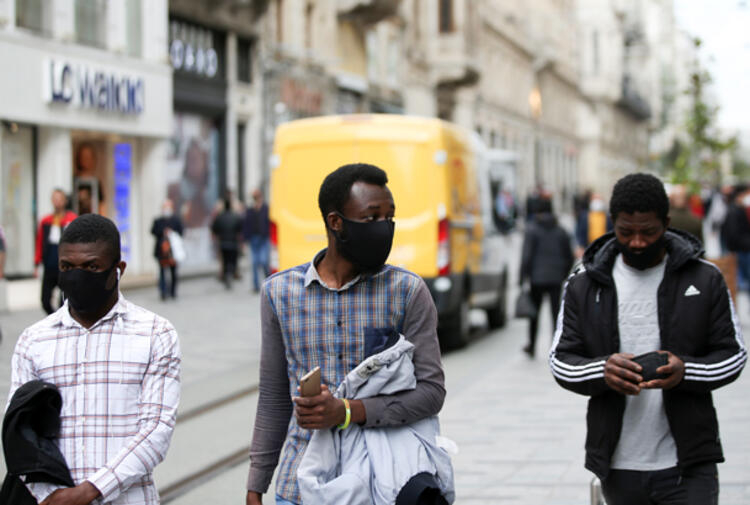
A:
649,363
309,384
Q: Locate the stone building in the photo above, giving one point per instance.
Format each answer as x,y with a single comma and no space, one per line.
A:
619,83
509,71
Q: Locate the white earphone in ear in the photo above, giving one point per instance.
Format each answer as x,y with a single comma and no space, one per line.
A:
118,275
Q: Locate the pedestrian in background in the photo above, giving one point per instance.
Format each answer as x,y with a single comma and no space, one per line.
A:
161,229
737,234
581,202
716,216
533,199
255,231
547,257
680,213
47,239
648,331
117,367
329,312
592,223
227,231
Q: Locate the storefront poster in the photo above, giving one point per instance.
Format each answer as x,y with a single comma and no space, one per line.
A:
192,182
123,176
17,200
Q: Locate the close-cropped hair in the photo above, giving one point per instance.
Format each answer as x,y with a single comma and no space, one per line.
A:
336,187
91,228
639,193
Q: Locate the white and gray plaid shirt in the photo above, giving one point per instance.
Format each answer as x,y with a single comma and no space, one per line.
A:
120,386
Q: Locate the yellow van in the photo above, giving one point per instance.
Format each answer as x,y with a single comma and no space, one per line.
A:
443,219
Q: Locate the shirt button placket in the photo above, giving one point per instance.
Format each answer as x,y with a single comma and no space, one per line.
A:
84,364
339,348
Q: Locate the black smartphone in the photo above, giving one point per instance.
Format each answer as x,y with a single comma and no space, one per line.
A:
650,362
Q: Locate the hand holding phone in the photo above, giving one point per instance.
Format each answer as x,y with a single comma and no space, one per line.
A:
309,384
649,363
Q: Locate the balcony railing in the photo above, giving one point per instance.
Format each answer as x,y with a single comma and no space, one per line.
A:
367,11
632,101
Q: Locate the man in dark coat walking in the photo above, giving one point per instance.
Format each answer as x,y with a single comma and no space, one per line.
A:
545,263
162,226
227,230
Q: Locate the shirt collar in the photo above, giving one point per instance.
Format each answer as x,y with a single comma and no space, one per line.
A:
312,275
120,308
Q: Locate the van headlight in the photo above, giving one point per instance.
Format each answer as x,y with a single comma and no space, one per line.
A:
443,284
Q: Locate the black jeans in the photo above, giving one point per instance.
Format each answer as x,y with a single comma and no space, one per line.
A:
168,288
537,294
228,265
49,282
698,485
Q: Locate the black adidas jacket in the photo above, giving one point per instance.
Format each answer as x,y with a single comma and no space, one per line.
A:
697,322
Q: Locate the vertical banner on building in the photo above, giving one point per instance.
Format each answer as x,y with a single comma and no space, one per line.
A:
193,183
17,199
123,168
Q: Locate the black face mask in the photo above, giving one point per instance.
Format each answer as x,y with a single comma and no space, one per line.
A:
366,245
646,257
87,291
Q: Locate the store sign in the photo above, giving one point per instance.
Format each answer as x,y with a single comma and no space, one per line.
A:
191,49
85,87
123,166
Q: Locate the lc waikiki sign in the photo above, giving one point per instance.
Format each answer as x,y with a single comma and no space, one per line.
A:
81,86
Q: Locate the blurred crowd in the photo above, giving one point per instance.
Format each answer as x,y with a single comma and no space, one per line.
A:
719,217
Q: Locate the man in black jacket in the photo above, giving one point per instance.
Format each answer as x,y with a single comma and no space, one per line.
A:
645,288
227,231
546,261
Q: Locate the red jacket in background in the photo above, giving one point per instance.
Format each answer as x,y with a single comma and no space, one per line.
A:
42,234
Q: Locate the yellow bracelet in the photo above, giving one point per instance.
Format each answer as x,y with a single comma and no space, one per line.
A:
348,418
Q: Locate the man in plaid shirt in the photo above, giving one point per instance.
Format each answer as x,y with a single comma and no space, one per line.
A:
328,313
117,366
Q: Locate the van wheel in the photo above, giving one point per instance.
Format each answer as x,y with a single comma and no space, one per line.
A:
497,316
454,328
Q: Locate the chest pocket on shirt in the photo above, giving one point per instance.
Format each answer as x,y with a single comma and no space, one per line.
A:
379,339
129,357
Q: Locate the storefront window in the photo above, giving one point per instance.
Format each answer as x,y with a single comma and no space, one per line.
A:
91,21
33,15
193,181
17,209
90,175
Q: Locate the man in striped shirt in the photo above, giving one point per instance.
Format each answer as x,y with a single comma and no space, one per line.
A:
329,313
117,366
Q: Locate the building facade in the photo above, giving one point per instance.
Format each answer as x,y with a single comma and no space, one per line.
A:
619,83
125,103
216,116
507,70
85,106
